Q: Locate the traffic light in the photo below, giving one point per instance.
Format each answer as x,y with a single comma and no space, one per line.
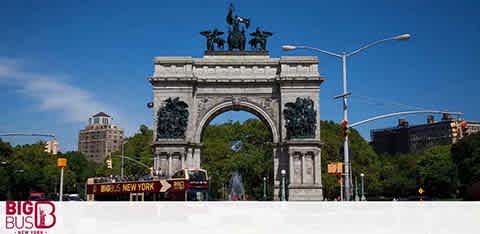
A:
464,127
109,163
455,127
52,147
344,125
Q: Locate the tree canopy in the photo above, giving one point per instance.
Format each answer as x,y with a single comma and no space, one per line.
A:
27,168
466,155
444,172
252,161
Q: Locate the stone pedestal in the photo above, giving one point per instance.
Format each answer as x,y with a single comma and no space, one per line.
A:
173,155
305,176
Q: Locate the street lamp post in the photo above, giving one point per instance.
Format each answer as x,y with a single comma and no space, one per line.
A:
283,196
343,56
123,159
363,191
356,190
264,188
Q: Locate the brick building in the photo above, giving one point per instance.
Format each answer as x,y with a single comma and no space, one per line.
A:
100,138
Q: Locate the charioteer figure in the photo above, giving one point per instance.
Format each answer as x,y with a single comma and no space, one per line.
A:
236,34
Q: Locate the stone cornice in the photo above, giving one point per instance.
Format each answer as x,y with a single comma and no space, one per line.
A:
236,69
173,60
298,59
303,142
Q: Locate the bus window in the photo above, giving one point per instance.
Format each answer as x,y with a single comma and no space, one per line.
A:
197,175
179,175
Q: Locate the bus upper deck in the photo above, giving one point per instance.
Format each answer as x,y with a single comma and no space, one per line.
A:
184,185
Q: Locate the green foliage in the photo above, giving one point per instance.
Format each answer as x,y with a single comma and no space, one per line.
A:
362,157
466,155
137,147
432,169
28,168
388,176
6,152
253,161
437,170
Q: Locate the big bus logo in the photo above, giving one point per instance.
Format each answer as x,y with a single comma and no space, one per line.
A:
28,215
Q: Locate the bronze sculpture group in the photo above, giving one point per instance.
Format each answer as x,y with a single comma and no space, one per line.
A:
301,118
172,119
236,38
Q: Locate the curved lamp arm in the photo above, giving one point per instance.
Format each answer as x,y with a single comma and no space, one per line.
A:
401,37
292,47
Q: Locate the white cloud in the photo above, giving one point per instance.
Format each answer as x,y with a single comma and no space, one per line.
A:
51,93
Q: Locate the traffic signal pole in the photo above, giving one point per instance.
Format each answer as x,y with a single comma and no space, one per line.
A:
346,159
343,56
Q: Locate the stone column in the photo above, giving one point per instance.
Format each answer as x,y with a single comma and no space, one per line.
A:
169,165
182,159
196,157
317,169
155,162
189,157
303,168
277,157
291,170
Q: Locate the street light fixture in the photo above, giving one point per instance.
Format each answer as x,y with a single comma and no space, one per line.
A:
363,191
283,197
405,36
289,47
356,190
122,168
343,56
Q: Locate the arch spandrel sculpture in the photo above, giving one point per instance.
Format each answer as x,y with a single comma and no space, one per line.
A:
264,86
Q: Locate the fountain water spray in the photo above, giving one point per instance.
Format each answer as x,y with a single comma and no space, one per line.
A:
237,192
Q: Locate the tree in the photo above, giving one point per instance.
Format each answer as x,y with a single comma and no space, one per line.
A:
6,152
137,147
253,161
362,158
29,169
437,172
466,155
431,169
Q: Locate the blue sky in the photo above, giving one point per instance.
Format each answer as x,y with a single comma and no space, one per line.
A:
62,61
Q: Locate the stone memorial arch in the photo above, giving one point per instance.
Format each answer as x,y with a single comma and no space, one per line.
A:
283,92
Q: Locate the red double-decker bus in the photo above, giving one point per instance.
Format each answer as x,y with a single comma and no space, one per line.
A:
184,185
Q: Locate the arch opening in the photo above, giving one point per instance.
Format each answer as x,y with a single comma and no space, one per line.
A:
238,146
240,106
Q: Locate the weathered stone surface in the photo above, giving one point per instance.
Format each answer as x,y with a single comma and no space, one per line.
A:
252,82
